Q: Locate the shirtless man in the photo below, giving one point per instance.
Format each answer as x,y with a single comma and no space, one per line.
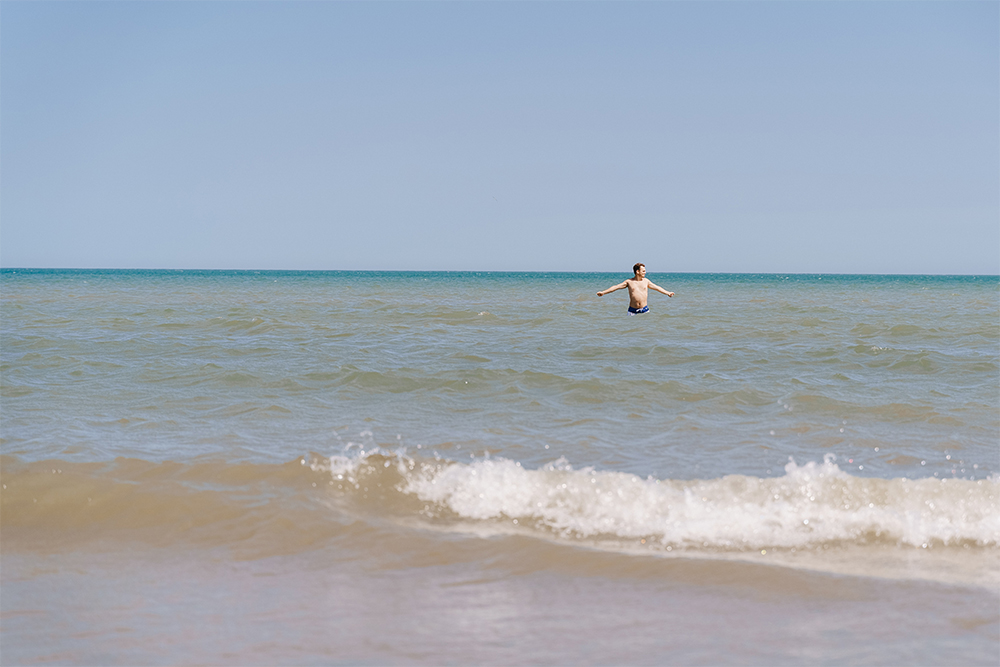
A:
637,286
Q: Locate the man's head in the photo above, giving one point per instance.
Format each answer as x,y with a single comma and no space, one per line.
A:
639,267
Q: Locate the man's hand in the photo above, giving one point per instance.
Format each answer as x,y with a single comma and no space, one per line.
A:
600,294
670,293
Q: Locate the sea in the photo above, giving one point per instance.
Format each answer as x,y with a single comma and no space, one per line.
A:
453,468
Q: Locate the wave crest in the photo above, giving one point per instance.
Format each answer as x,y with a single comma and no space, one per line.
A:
811,505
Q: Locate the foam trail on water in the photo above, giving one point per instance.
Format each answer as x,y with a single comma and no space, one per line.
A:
811,505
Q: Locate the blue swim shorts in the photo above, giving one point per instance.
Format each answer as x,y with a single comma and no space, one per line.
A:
638,311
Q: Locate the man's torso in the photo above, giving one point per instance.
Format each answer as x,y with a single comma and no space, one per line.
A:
637,292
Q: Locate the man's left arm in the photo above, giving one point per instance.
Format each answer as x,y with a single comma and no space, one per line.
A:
660,289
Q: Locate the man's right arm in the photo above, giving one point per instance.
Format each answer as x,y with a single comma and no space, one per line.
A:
613,289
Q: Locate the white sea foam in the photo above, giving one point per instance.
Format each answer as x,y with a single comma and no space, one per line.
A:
811,505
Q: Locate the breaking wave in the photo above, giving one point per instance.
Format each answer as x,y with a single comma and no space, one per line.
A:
812,504
255,510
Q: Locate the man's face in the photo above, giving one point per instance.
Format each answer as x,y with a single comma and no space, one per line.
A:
641,273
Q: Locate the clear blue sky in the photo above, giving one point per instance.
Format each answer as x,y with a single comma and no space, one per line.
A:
841,137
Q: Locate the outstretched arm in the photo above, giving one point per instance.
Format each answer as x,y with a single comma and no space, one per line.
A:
613,289
660,289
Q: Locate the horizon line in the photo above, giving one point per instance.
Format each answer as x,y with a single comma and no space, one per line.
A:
482,271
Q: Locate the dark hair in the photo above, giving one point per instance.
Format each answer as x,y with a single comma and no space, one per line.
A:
635,269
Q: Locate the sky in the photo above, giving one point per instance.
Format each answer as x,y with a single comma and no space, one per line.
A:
786,137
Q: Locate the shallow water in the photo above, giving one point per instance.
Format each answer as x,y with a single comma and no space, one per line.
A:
299,467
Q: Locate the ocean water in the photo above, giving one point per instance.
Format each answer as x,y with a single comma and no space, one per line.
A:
255,467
